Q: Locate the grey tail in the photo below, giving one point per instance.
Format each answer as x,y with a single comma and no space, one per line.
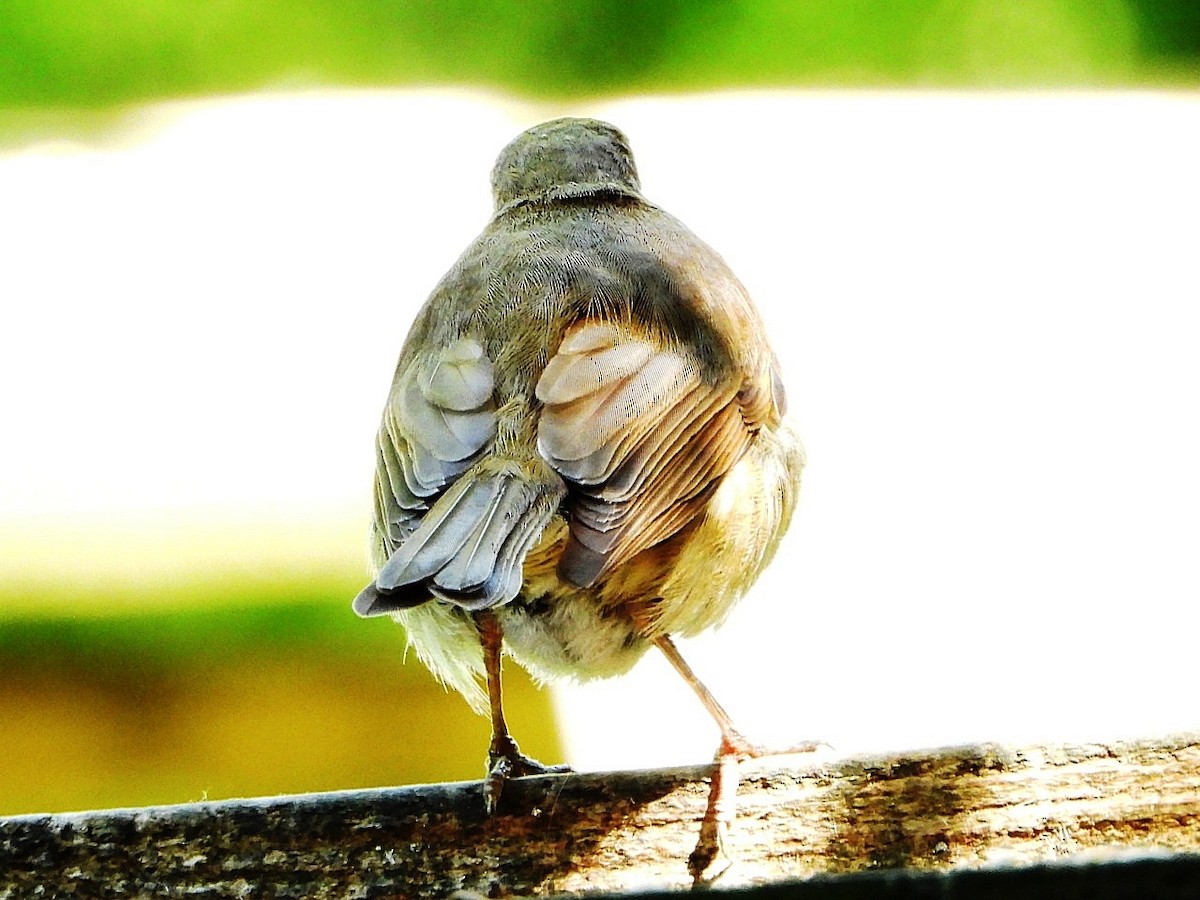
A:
470,548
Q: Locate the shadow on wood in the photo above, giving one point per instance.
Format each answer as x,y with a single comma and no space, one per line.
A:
937,811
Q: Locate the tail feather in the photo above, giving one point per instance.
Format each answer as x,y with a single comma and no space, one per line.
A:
441,534
470,548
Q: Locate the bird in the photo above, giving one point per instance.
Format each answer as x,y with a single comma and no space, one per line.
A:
583,453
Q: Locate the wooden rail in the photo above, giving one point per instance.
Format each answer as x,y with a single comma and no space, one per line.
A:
953,811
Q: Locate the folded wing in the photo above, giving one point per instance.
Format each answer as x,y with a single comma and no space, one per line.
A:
449,521
641,436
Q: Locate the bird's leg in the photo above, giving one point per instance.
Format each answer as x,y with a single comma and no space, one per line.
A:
722,798
732,742
505,759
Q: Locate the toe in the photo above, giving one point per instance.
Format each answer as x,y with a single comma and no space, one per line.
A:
509,762
499,771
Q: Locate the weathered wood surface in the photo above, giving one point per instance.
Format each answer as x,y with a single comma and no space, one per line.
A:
951,809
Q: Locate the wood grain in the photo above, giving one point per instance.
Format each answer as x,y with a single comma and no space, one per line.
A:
799,816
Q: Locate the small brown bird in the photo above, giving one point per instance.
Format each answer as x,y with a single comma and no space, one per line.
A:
583,451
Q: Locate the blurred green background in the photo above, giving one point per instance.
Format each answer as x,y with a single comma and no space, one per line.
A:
249,689
260,681
96,53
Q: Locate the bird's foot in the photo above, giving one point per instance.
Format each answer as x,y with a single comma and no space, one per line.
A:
712,858
735,744
505,761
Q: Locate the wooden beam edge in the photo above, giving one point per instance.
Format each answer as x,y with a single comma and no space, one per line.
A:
944,810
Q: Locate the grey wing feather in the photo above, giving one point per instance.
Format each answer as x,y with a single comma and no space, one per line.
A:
461,378
488,568
472,564
450,520
471,546
441,534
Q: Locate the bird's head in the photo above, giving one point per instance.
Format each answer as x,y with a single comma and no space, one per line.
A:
564,158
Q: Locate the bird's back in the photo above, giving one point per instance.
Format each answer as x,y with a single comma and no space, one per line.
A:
584,434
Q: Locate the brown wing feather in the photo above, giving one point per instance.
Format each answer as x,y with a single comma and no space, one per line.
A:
642,438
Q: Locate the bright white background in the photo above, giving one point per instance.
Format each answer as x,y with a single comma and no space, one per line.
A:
985,305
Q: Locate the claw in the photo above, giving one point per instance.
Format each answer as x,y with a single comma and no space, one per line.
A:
506,761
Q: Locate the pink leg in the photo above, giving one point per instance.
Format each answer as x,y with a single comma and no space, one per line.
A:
722,798
505,759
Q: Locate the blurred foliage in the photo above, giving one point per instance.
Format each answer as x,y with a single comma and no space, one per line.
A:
176,706
154,643
96,53
1169,29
